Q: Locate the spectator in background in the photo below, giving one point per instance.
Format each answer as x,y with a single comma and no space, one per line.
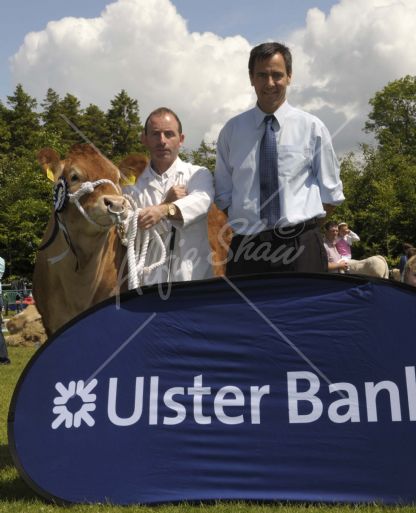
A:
4,357
408,251
18,302
336,264
6,304
409,273
345,239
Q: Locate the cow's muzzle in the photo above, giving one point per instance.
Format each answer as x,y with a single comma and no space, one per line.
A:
116,209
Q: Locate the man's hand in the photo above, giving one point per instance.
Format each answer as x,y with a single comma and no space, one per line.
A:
176,192
150,216
342,265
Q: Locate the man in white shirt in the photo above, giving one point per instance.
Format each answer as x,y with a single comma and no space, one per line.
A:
175,197
276,175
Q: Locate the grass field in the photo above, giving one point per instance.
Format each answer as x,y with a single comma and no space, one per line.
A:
16,496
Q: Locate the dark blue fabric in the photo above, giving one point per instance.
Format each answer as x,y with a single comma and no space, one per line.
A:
247,334
268,172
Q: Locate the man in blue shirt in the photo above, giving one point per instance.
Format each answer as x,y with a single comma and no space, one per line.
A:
276,175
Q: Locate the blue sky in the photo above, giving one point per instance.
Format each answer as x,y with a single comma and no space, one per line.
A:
194,59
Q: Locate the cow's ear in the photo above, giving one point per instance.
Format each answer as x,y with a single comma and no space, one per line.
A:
50,163
131,168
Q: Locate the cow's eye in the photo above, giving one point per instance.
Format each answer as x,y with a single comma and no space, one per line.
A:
74,178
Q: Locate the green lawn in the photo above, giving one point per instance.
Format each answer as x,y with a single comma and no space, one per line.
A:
16,496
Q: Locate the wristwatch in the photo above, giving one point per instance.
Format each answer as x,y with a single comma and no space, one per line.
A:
171,209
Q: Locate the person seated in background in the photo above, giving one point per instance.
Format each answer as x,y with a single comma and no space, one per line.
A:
408,251
409,274
336,264
4,356
345,239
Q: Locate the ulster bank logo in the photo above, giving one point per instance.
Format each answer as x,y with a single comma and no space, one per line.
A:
74,404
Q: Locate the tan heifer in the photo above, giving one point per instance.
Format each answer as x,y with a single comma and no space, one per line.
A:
81,254
219,235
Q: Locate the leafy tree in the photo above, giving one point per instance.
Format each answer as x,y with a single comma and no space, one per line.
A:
205,155
124,124
393,116
22,120
95,128
5,134
51,114
25,204
380,191
380,185
71,115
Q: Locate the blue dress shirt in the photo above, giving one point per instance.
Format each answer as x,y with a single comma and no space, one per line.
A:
308,169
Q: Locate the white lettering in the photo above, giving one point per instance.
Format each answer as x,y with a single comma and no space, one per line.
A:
220,401
153,398
174,405
256,394
371,391
138,404
411,391
308,395
353,412
198,391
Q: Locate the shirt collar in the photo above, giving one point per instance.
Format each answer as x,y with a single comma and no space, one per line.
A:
332,244
279,114
169,173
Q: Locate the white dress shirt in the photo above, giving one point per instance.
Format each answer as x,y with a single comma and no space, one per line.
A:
307,167
191,258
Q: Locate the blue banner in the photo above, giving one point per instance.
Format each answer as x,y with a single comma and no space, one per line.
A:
284,387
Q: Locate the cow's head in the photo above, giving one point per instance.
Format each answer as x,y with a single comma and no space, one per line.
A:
86,183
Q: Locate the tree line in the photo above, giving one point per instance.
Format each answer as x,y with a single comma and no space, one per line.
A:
379,181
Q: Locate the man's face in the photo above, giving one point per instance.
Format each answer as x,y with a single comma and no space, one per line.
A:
163,141
332,233
270,81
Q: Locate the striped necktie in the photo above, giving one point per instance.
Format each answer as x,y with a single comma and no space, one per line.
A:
269,184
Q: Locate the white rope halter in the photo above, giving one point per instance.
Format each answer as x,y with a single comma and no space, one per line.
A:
137,242
87,188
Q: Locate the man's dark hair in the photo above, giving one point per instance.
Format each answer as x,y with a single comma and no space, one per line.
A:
267,50
330,224
406,246
159,112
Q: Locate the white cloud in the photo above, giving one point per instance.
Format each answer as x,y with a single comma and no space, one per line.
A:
142,46
145,47
341,60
